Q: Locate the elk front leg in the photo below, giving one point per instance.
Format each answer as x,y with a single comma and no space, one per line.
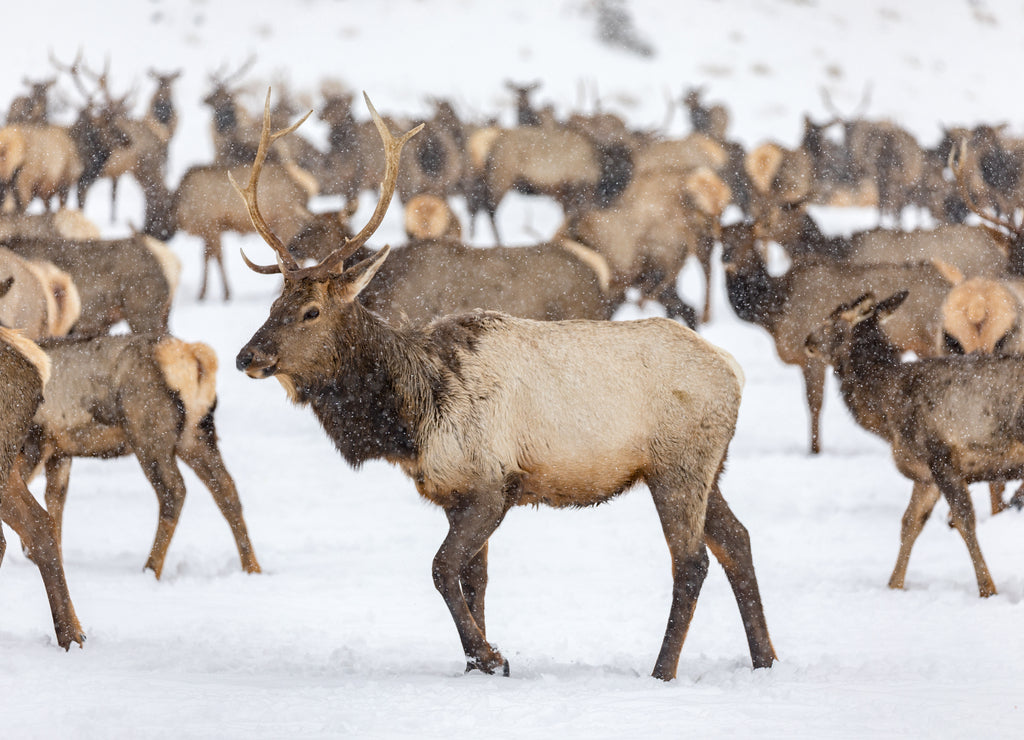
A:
474,586
205,459
922,501
35,528
730,544
681,506
470,524
814,388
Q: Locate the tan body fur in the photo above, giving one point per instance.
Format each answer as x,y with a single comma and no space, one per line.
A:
43,164
136,394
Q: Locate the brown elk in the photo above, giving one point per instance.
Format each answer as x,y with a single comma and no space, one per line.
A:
660,220
131,279
24,371
484,412
951,421
34,107
791,305
232,127
148,395
205,206
37,161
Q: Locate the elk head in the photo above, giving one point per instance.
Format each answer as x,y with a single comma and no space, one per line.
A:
316,311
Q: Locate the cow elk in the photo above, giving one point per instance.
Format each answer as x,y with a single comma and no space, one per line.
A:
24,371
148,395
485,411
951,421
791,305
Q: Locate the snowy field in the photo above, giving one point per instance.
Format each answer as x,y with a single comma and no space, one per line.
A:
343,634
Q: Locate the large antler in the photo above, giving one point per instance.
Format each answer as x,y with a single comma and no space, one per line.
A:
287,263
957,155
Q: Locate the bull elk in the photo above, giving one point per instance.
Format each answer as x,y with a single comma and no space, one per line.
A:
24,371
485,412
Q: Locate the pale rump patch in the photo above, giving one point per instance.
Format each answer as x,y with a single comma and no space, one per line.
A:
190,368
72,224
168,261
762,165
709,191
590,258
978,313
480,143
29,350
429,217
63,302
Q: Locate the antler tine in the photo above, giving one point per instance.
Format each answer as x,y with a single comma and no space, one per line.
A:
285,260
392,153
957,155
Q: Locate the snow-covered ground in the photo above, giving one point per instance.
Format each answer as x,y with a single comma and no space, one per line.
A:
343,634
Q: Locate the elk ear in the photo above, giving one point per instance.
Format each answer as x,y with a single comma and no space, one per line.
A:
884,309
359,275
6,286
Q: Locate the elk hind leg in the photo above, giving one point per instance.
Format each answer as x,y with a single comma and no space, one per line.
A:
922,501
681,503
203,456
729,542
814,388
470,525
959,499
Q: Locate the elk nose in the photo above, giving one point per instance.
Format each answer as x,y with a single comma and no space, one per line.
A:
244,359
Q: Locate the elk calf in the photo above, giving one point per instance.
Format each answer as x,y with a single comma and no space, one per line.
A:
145,395
24,371
951,421
484,412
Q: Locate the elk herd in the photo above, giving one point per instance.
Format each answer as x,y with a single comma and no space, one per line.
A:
493,376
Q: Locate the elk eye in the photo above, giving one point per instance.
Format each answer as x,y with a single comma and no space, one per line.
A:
311,313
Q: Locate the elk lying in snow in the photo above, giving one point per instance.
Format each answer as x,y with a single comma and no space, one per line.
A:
951,421
791,305
24,370
131,279
485,412
42,302
147,395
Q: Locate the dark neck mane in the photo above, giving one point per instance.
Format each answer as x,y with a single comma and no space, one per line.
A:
386,382
868,378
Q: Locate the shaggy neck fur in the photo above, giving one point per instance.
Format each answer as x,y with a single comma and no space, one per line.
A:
384,384
755,295
868,369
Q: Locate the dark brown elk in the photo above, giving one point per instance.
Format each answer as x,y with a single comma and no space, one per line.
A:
712,121
24,371
147,395
435,163
33,107
662,218
526,114
131,279
485,412
951,421
991,167
232,129
791,305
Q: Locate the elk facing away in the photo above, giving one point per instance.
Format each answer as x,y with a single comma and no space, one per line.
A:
485,412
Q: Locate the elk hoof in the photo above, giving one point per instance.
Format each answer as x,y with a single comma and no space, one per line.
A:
488,666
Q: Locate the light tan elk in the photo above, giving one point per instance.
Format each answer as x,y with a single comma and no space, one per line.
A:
131,279
24,371
662,218
485,412
951,421
42,302
37,161
147,395
205,205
